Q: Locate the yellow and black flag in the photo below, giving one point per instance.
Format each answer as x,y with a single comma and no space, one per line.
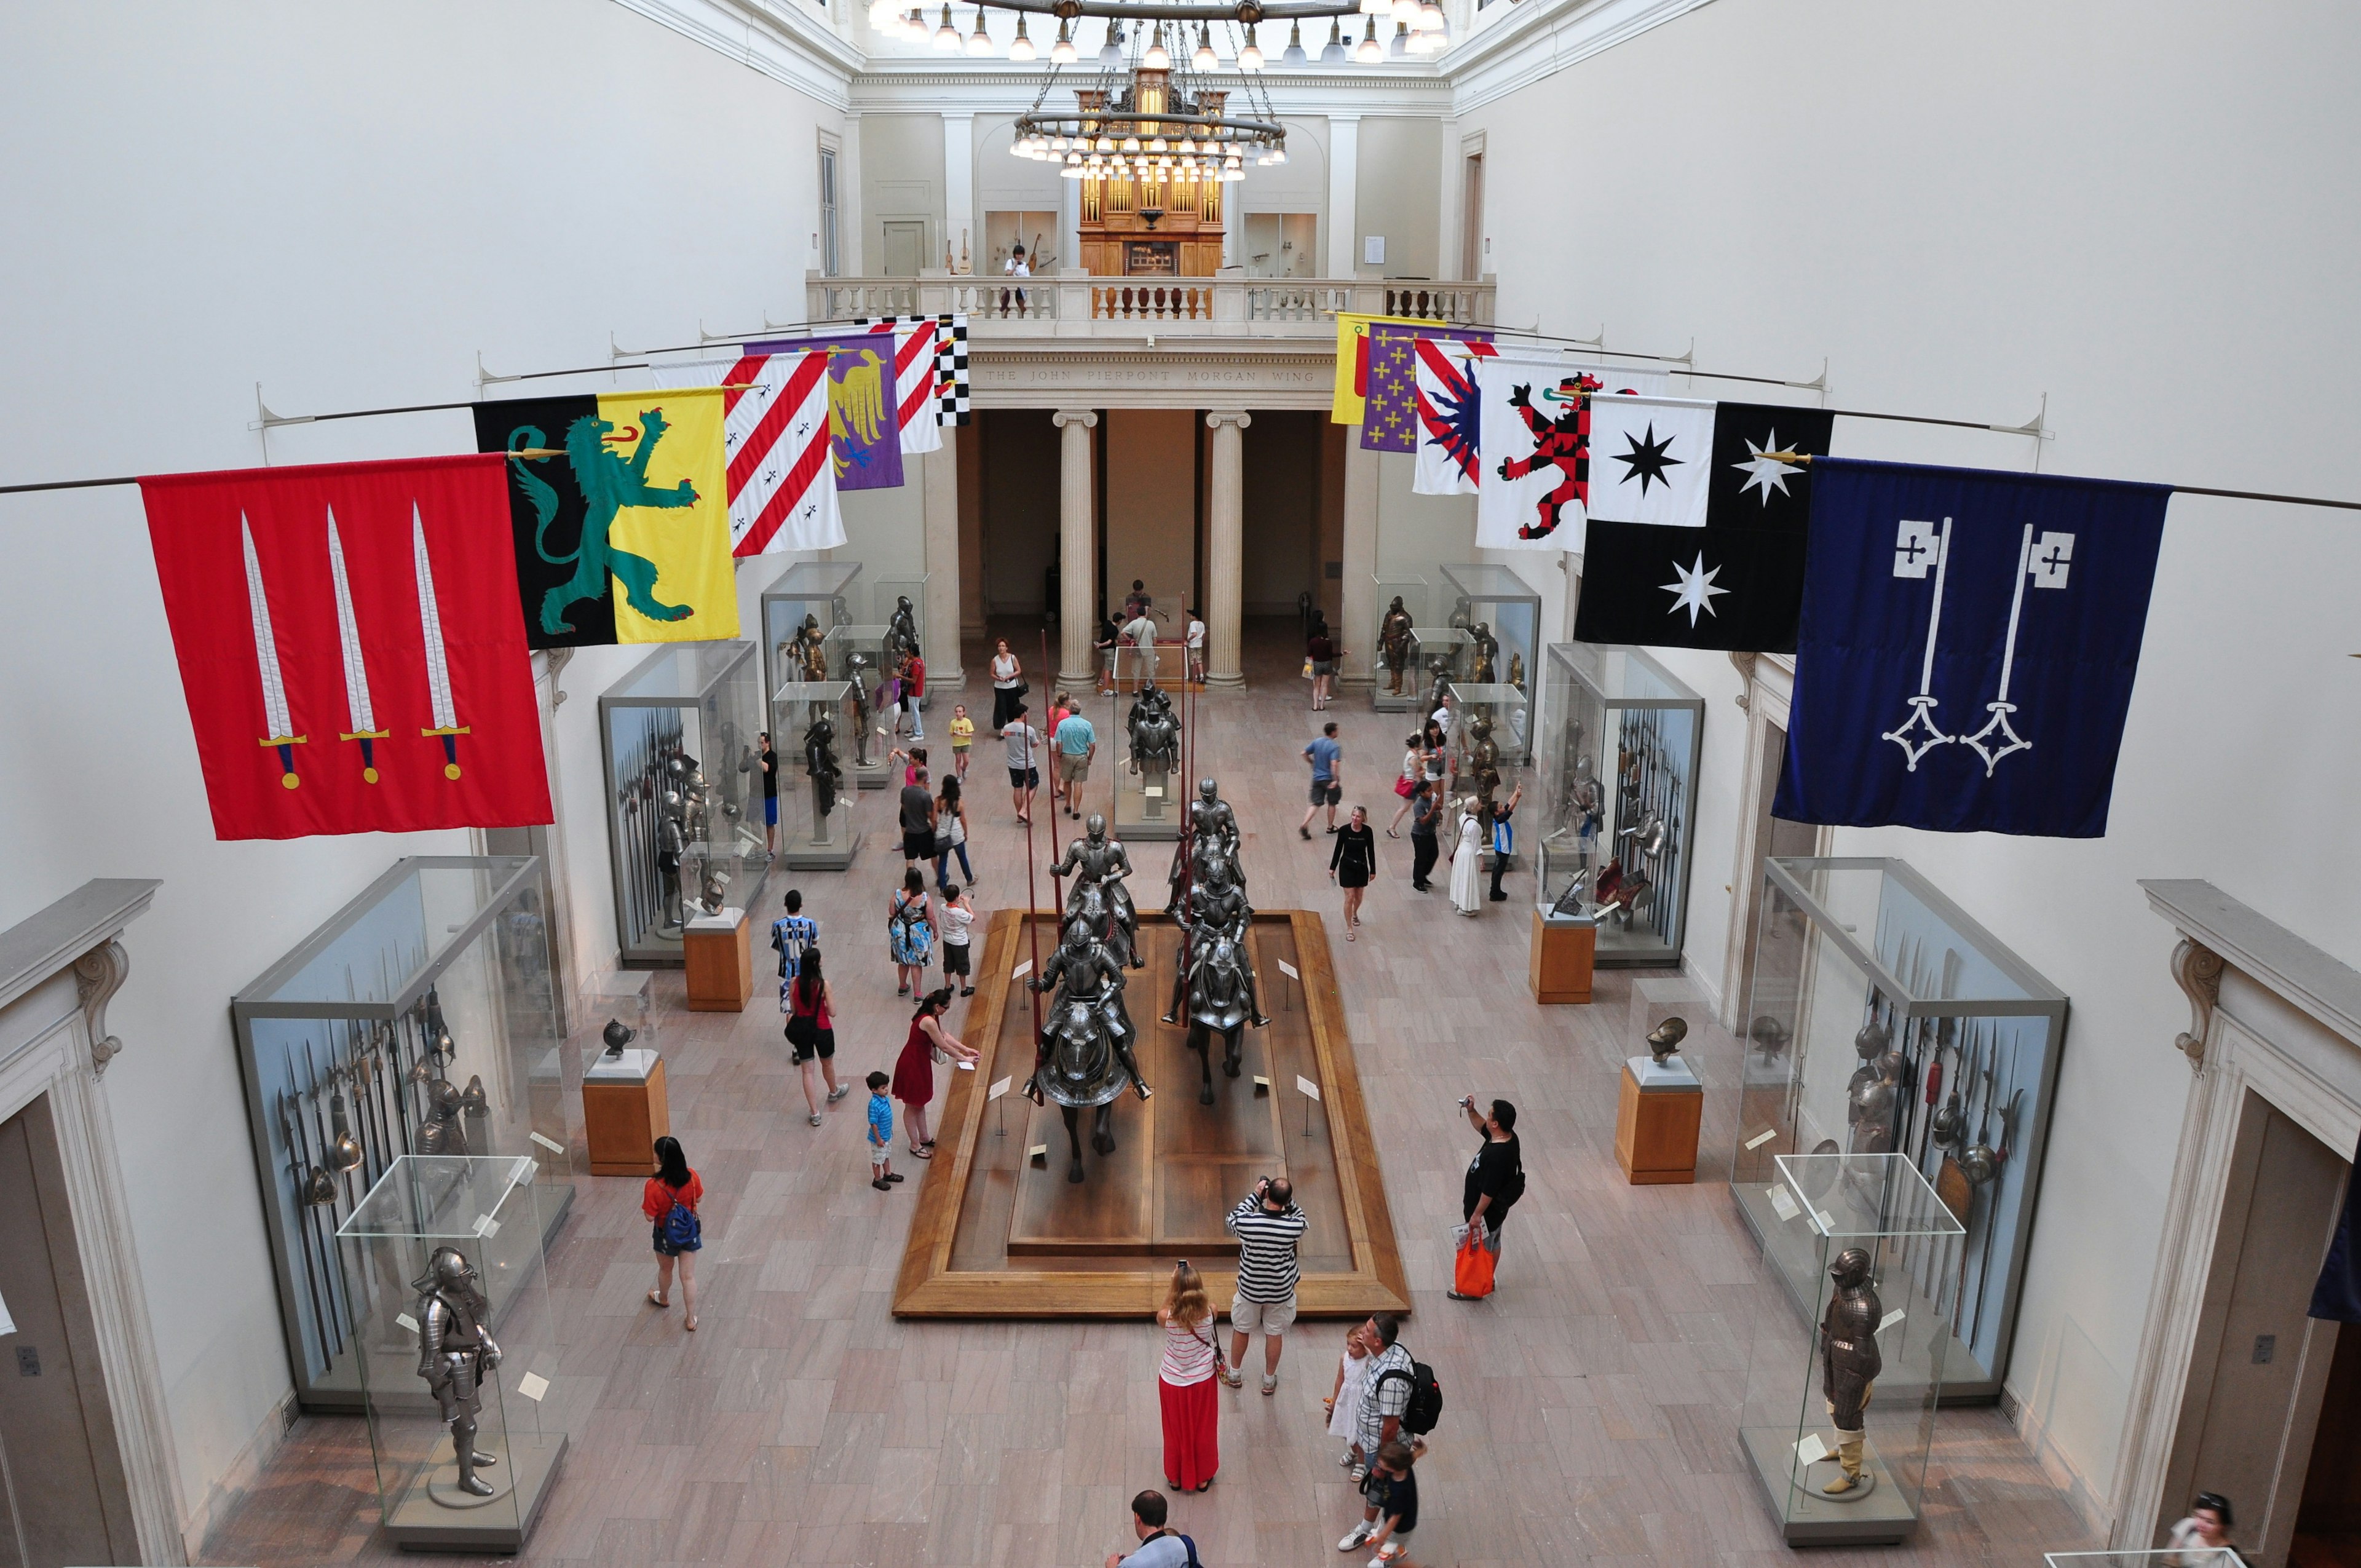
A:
621,507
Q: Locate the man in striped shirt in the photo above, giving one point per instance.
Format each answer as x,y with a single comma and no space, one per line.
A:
1269,1226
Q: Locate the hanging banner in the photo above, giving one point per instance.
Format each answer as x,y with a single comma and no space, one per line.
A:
1347,403
775,435
351,646
1389,411
863,405
952,404
1450,427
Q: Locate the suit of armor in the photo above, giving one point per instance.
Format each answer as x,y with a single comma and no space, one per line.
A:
1483,761
1849,1358
1082,970
811,647
1210,816
820,764
1488,654
456,1355
440,1130
1097,860
902,630
1393,645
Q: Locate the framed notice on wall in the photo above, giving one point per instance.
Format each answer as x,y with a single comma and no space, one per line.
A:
1151,258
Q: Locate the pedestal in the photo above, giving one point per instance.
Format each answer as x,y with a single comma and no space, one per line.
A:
1564,948
624,1112
718,952
1656,1121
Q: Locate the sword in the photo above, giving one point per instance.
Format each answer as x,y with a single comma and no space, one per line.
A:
438,669
349,633
275,719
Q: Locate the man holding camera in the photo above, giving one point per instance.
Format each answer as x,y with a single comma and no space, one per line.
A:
1496,1176
1269,1227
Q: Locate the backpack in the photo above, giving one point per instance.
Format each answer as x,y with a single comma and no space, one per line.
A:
683,1229
1188,1545
1425,1406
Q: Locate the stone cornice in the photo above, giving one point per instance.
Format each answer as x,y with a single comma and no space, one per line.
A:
2317,985
790,44
1540,37
897,84
1221,373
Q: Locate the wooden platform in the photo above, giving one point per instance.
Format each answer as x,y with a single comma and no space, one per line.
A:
997,1235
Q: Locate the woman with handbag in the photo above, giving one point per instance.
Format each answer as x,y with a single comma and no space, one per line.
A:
910,932
811,1031
670,1201
1007,684
1413,769
1184,1385
913,1070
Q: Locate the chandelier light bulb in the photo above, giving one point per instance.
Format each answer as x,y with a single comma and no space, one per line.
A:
1130,144
1335,52
1062,51
1059,144
1204,59
1401,44
1157,58
1430,18
1368,52
1250,57
1278,155
1293,55
914,26
1156,144
1186,146
947,38
1021,48
1403,10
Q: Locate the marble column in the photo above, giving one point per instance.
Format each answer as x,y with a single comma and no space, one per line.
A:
1357,626
939,480
1225,549
1077,553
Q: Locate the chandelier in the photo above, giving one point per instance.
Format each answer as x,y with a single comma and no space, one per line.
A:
1420,30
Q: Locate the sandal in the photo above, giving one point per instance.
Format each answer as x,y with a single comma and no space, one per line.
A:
916,1153
1392,834
1349,936
656,1300
690,1325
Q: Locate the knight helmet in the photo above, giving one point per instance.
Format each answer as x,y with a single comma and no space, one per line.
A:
1850,1270
1095,826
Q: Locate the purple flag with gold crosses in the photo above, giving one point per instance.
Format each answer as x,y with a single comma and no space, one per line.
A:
1390,422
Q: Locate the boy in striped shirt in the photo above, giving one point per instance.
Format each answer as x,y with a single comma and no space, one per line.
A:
1269,1226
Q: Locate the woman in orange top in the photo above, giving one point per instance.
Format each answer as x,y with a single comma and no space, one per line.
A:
679,1235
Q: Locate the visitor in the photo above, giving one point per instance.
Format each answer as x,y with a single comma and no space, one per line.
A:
881,1135
962,730
1062,706
1014,267
2206,1529
914,686
910,932
1320,650
1140,632
1351,864
1077,742
1110,637
1007,685
1392,1507
1383,1406
1413,768
1425,846
669,1200
1504,839
1137,601
811,1032
912,760
1160,1547
1195,667
1435,742
951,833
790,935
918,817
1023,753
888,702
955,914
1466,850
766,762
1496,1176
1184,1384
1343,1401
1270,1227
1327,760
914,1069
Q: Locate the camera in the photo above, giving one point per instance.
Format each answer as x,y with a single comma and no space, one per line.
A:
1467,1103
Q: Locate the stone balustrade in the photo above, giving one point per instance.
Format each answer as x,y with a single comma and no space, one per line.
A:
1075,303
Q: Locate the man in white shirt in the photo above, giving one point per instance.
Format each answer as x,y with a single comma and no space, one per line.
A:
1016,266
1140,632
1194,669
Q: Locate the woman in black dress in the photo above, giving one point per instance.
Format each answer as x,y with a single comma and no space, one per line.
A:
1351,865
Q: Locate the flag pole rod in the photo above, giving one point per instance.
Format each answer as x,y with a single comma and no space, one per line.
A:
1804,460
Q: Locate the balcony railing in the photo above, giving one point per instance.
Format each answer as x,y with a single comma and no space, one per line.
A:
1076,304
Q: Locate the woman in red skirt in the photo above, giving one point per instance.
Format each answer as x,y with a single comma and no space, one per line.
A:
913,1070
1192,1449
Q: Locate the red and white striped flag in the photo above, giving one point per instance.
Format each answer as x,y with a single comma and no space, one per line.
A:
774,434
916,374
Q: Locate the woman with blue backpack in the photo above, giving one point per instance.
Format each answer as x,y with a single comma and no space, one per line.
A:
670,1202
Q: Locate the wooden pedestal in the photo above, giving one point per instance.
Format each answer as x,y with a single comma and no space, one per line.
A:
1562,950
1656,1131
721,964
623,1119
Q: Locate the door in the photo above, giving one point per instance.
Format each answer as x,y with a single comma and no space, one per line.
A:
1471,220
906,246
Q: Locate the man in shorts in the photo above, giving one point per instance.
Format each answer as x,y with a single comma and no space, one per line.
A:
1327,760
1024,760
1270,1227
1077,744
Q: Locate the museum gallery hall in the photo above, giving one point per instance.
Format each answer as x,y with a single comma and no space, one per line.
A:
1180,782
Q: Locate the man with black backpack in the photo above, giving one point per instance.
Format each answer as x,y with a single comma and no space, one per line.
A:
1404,1403
1160,1547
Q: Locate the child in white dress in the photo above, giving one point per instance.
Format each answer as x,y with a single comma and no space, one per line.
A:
1352,1384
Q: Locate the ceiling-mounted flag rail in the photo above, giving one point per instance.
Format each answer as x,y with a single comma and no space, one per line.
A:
1804,460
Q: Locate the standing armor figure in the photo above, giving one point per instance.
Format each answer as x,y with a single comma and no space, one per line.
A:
902,630
1212,830
672,843
1155,734
440,1130
456,1355
1849,1361
1876,1104
1463,616
1098,862
1483,761
811,646
856,670
1869,1043
1438,670
820,764
1488,654
1517,671
1393,645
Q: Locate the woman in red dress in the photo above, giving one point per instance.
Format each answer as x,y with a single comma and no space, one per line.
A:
1184,1385
913,1070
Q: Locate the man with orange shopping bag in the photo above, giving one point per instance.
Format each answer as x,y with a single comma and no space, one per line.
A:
1496,1179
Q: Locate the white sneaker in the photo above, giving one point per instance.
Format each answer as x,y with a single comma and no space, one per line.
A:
1359,1538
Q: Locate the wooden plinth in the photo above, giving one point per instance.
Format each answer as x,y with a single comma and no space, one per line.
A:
996,1235
720,967
1563,955
1656,1131
622,1121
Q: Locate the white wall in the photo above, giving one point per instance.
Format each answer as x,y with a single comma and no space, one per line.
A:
2145,210
344,204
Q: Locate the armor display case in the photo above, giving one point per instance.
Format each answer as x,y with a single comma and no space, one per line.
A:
905,622
459,1355
1439,655
1884,1019
1151,789
816,791
1506,713
820,589
1502,613
1842,1379
684,798
1388,692
418,1020
1619,752
861,661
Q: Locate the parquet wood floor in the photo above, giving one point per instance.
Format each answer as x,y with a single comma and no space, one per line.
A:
1592,1403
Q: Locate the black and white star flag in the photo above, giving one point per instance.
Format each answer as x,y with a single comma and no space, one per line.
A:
1650,459
1734,578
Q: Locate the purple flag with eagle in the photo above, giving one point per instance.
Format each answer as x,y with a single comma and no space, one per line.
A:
1390,419
863,406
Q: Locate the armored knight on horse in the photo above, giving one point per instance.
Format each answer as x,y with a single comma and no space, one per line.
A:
1084,1054
1098,865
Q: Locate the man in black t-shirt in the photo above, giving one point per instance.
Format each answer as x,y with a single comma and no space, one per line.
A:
917,819
1496,1176
766,762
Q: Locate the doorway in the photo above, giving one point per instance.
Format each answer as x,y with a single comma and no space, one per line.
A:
1471,219
1016,515
2328,1519
64,1497
906,246
1148,510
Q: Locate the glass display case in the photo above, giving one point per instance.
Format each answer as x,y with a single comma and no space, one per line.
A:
815,793
1882,1019
459,1355
1619,750
1504,615
1150,802
623,996
1843,1377
816,589
1389,692
861,661
1506,713
899,604
418,1019
1439,655
2185,1557
683,792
